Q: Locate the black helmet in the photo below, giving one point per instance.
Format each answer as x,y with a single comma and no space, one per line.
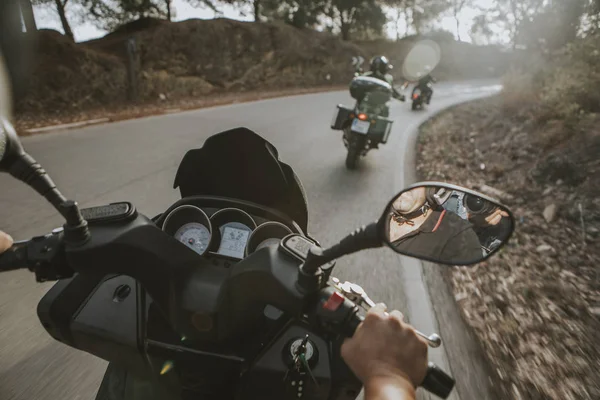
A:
380,64
477,205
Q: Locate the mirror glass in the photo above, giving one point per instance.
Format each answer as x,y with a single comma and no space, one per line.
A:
446,224
422,58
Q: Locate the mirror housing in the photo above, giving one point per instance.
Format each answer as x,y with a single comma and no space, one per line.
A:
19,164
11,149
445,224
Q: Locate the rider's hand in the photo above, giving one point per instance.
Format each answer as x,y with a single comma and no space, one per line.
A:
496,216
5,242
386,355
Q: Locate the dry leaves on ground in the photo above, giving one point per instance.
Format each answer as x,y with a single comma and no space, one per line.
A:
535,306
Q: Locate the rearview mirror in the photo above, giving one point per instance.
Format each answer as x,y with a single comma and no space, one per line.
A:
445,224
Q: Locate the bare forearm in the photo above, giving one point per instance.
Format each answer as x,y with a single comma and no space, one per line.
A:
389,389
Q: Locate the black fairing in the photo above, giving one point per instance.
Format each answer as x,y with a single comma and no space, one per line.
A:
240,164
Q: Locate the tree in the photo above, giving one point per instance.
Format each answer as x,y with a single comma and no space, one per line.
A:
515,14
256,5
420,13
457,6
61,6
355,15
302,13
399,7
369,23
112,14
481,32
27,14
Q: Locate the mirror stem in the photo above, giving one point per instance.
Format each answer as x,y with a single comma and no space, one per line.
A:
27,170
366,237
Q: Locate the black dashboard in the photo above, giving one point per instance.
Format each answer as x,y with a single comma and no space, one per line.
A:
225,229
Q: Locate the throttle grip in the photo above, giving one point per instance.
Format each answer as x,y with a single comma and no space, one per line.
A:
14,258
436,381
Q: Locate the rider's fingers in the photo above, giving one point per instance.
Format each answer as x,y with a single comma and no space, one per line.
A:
397,315
496,220
5,241
380,309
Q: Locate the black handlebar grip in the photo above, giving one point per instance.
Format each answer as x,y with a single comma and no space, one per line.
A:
438,382
352,324
14,258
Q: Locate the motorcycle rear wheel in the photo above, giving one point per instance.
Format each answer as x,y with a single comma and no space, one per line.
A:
352,158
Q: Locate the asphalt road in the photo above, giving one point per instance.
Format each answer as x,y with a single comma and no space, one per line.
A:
136,161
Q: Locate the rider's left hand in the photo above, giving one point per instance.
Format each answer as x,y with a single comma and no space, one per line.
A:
6,242
495,217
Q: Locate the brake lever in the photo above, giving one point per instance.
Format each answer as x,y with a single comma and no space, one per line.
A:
357,294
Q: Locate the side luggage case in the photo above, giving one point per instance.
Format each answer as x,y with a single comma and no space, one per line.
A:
341,115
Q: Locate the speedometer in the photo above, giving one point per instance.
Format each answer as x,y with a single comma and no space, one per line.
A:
195,236
190,226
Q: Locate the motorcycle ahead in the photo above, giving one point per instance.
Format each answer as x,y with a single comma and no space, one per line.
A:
366,125
224,295
421,97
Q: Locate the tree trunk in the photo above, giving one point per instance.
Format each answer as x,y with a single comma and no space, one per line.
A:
345,29
256,5
60,7
398,15
168,10
457,27
28,17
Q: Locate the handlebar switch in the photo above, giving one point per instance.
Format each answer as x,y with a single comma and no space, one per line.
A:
46,258
334,302
334,311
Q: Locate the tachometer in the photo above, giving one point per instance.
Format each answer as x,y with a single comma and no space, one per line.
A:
195,236
268,242
191,226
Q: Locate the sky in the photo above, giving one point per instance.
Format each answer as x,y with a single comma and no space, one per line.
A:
46,17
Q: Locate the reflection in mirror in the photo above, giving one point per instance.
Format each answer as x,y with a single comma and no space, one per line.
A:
446,225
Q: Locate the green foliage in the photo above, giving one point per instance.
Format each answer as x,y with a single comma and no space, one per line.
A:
301,13
356,16
552,27
111,14
567,88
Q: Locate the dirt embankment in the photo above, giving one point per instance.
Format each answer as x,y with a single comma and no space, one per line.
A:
536,305
185,63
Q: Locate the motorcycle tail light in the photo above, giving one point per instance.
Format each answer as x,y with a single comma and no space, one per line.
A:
362,117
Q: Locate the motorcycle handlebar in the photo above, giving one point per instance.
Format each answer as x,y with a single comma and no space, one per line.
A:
436,381
14,258
42,255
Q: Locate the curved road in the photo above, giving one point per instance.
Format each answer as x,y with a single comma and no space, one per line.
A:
136,161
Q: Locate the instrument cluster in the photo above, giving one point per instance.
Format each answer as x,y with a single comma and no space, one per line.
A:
228,232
